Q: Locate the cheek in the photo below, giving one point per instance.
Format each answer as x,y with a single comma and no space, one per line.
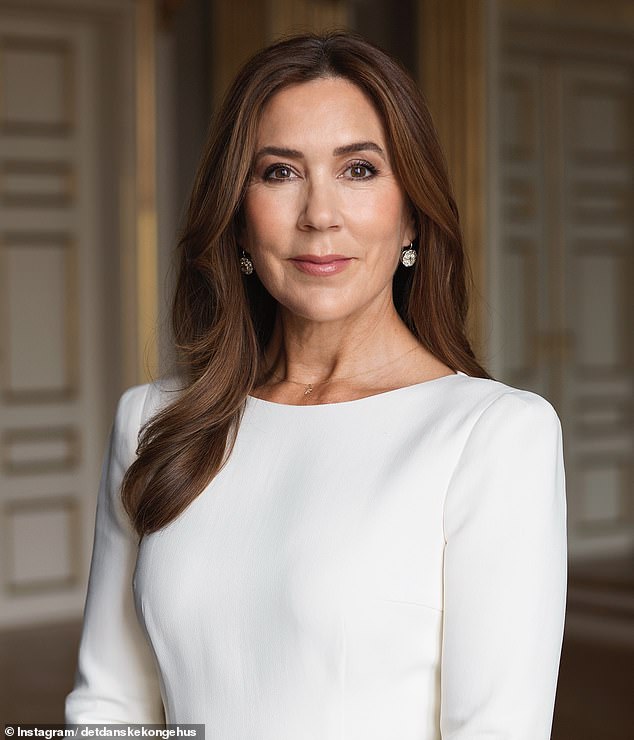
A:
262,239
381,224
266,216
382,209
256,220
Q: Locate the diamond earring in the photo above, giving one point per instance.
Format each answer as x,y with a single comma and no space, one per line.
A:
408,255
246,266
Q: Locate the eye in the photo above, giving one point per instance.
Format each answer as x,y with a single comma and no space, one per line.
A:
278,172
361,170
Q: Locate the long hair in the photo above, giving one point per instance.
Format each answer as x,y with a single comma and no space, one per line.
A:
222,321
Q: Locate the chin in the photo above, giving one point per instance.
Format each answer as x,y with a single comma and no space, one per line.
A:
320,311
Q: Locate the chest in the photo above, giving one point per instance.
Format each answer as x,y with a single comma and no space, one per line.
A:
304,520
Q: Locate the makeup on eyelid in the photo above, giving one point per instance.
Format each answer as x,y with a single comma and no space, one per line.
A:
357,164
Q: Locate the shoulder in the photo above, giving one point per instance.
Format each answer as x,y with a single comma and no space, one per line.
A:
137,405
514,408
495,425
507,428
486,402
511,459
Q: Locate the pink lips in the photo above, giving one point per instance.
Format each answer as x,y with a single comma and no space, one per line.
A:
328,264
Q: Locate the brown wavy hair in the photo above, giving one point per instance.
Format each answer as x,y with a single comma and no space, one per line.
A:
222,321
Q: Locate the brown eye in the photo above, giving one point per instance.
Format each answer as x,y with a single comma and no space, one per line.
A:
361,171
278,172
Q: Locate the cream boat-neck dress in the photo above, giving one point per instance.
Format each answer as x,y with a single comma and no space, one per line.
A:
389,568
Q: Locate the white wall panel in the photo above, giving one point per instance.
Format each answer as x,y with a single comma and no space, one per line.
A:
564,295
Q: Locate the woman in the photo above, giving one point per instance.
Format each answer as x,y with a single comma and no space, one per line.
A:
347,529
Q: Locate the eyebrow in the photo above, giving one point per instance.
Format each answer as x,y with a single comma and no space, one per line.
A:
358,146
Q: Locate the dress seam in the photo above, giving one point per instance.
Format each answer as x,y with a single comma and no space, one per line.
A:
418,604
460,455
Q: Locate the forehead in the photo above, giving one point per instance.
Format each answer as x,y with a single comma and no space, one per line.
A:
326,108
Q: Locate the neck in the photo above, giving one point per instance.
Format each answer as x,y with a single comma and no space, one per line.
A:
306,351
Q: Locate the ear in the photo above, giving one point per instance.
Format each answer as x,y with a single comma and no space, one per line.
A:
411,232
240,223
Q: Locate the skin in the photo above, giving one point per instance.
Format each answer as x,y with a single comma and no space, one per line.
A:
313,192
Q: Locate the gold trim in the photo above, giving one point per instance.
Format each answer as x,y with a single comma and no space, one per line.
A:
36,586
68,435
17,127
71,318
453,70
146,217
237,31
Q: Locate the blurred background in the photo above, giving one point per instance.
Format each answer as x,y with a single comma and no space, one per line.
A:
104,105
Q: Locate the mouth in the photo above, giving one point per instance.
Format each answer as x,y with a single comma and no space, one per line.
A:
328,264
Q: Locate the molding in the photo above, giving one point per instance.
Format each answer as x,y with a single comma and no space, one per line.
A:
68,436
147,289
70,391
66,503
15,168
17,127
530,34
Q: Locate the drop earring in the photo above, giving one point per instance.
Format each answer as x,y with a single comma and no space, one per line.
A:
246,266
408,255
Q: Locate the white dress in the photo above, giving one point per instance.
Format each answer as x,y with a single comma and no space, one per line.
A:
389,568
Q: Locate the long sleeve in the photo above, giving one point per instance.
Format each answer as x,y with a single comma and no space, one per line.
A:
504,575
116,679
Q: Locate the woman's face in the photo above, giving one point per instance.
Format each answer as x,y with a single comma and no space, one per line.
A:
325,218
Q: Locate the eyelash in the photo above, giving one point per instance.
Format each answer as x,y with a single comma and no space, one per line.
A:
268,172
365,165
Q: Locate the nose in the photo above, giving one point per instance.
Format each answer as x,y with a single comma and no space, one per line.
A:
319,210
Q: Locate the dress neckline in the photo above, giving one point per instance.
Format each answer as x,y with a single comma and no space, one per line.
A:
357,401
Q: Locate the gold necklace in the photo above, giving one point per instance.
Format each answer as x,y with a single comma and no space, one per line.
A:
308,387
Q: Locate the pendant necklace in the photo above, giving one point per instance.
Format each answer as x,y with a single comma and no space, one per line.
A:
309,387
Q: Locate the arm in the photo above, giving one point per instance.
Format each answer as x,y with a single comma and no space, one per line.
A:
504,575
116,679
